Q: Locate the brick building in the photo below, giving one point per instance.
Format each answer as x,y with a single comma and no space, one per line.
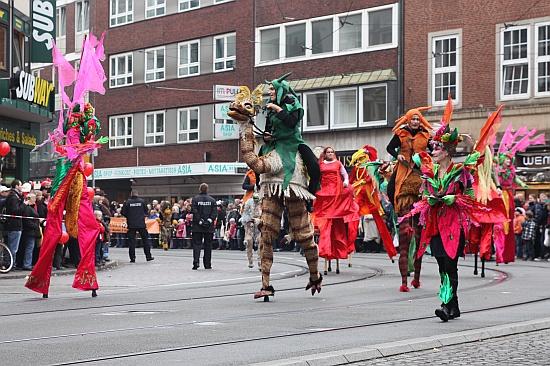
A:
168,134
485,53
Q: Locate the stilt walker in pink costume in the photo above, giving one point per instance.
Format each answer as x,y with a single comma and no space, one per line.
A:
511,143
74,137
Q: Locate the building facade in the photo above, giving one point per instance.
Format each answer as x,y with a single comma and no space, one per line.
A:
485,54
165,58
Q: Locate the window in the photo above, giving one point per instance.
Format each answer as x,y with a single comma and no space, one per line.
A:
120,131
321,36
82,16
543,59
188,59
155,8
363,30
295,40
122,12
188,125
515,62
380,27
154,128
61,19
3,48
444,68
350,32
372,107
269,44
154,64
316,111
224,53
185,5
344,108
121,71
18,51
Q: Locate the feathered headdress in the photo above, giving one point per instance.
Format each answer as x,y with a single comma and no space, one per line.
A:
363,155
445,136
407,117
513,142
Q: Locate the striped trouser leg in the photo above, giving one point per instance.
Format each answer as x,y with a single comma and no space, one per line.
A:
302,233
272,210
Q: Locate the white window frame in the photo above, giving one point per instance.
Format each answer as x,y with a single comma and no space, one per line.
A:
155,69
307,128
504,63
361,121
126,75
127,14
58,15
154,134
189,64
189,130
332,107
224,59
448,69
180,2
124,137
539,59
83,18
216,2
336,42
155,9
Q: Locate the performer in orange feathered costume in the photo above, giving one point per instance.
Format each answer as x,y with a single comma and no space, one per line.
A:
411,136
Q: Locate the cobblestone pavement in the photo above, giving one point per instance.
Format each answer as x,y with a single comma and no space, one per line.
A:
519,349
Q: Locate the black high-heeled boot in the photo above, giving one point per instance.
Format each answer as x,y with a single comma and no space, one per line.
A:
94,293
443,313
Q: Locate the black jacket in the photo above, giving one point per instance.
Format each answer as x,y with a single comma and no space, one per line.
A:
135,210
14,206
204,211
30,226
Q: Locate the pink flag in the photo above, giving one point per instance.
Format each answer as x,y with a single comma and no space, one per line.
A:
91,75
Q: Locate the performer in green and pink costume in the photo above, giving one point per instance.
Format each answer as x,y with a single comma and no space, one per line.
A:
74,137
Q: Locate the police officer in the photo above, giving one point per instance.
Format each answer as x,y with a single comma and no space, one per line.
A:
135,210
204,212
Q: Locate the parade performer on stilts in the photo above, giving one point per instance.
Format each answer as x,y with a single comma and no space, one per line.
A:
411,136
446,210
510,144
74,137
283,181
366,180
336,213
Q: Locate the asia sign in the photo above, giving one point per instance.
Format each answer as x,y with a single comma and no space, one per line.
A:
43,30
224,131
171,170
32,89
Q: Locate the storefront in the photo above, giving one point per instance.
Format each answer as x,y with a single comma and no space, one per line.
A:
533,167
171,182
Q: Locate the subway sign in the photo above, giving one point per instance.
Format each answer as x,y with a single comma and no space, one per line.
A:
32,89
43,30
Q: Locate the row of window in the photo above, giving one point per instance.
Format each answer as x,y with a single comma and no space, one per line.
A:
524,63
82,18
188,64
364,30
339,108
122,11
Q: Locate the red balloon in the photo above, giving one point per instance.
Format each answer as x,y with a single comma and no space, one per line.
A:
91,193
88,169
64,237
4,148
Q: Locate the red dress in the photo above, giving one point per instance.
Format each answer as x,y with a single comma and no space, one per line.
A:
336,214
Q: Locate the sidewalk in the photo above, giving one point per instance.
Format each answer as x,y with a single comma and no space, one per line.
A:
431,350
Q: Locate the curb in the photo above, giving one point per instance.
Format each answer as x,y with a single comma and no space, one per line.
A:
14,274
347,356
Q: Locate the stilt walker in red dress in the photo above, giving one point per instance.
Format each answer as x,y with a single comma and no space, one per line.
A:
74,137
336,213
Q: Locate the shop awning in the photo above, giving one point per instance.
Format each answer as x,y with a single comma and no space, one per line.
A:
21,110
343,80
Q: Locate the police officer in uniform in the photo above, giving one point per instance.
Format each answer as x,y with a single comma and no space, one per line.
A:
135,210
204,213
